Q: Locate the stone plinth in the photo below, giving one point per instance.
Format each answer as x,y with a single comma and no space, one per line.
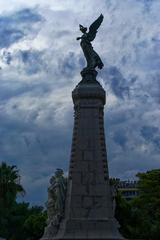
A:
88,207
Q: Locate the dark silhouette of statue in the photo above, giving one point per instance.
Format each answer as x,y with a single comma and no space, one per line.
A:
92,58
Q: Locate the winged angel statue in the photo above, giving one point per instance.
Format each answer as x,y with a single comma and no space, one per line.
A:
92,58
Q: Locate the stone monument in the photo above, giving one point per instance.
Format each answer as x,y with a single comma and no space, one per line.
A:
88,212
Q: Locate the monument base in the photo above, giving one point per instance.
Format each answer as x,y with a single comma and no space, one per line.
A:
89,211
87,229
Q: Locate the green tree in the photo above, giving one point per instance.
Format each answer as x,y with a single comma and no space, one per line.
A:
34,225
140,217
123,208
17,216
18,221
9,188
123,214
9,184
146,207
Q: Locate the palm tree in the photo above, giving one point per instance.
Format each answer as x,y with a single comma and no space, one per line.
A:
9,184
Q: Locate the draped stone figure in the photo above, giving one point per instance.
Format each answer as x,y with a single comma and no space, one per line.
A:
92,58
56,194
55,204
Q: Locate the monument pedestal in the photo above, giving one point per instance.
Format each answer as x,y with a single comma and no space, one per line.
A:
88,207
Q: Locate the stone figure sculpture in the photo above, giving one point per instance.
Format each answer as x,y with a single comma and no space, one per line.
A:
56,194
92,58
56,202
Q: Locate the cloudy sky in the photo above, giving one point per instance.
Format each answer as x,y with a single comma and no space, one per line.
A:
40,61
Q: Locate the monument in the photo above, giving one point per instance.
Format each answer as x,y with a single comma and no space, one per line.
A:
88,210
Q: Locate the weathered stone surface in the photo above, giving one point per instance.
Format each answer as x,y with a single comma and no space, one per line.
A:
88,207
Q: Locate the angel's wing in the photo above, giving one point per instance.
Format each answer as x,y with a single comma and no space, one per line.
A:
93,28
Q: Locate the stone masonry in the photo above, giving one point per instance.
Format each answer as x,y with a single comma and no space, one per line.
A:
88,206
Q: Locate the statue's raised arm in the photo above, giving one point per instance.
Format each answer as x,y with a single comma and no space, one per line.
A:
92,58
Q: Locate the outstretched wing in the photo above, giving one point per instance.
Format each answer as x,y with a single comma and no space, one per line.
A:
93,28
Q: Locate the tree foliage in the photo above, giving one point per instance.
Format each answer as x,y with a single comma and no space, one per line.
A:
140,217
17,219
146,207
9,185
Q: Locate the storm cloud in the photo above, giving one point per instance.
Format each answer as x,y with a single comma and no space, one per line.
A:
40,64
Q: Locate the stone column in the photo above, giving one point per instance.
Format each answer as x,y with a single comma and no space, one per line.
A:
88,207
